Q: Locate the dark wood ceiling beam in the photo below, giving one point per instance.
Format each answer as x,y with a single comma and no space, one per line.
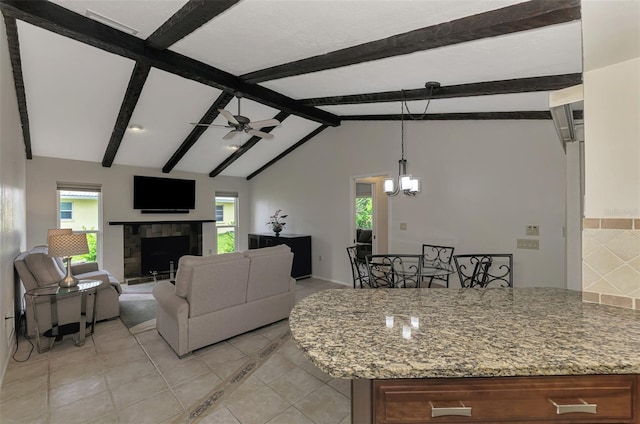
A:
190,17
289,150
519,17
245,147
18,82
61,21
521,85
220,103
472,116
131,96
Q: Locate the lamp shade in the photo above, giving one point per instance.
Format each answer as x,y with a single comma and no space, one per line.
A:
65,245
57,232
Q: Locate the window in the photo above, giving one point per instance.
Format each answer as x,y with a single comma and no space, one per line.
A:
219,213
66,210
80,210
227,221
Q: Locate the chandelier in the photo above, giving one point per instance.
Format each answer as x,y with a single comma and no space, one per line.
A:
407,184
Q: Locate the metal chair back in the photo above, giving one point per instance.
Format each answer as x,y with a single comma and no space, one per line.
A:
485,269
359,270
437,254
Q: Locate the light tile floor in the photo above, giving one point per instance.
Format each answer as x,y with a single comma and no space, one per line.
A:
117,377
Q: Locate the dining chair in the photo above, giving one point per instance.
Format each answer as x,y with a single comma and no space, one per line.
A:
394,271
485,269
437,255
359,270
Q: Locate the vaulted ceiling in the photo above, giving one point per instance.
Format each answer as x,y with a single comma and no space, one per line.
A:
87,70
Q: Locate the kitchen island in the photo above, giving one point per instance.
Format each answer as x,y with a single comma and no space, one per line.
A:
452,355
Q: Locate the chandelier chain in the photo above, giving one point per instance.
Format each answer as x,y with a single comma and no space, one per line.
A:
424,113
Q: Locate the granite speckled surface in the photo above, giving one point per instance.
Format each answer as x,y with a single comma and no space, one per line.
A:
465,333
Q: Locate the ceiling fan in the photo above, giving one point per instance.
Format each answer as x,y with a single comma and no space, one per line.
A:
239,124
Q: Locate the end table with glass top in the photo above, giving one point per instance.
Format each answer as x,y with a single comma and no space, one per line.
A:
55,292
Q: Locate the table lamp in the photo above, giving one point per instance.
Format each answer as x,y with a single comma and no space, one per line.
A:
66,246
57,232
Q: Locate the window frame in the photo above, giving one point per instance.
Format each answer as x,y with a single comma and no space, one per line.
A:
66,223
70,210
234,226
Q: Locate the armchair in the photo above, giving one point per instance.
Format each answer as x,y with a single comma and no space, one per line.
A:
37,269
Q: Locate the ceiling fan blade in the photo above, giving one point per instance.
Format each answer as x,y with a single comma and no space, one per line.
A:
260,134
265,123
229,116
209,125
230,135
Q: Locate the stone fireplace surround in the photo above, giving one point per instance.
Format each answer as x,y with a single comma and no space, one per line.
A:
134,232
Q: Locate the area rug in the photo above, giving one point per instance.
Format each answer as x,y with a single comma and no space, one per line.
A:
137,304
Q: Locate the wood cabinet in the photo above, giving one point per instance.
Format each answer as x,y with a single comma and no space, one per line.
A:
300,246
552,399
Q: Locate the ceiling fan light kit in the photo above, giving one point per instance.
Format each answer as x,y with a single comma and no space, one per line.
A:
407,184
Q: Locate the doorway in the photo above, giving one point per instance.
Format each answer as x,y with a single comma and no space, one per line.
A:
369,215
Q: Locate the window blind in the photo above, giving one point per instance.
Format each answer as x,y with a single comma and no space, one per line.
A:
227,194
70,186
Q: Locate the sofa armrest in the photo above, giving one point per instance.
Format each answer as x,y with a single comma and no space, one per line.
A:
84,267
176,306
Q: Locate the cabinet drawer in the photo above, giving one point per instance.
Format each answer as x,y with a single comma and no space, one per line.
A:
557,399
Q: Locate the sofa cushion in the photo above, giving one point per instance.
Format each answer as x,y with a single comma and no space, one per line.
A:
44,268
187,262
214,284
270,272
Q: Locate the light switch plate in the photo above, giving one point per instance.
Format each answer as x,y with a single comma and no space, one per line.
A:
533,230
528,244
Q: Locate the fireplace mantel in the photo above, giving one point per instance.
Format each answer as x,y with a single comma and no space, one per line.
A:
183,221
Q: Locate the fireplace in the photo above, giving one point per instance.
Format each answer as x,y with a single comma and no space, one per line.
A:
150,247
160,254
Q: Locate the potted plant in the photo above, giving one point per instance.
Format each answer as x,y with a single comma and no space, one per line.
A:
276,223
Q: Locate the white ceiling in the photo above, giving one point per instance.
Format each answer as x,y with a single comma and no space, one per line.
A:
74,91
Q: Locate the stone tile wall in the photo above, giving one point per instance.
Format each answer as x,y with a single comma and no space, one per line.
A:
611,261
133,233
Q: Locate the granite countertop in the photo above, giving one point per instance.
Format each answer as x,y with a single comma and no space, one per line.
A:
464,333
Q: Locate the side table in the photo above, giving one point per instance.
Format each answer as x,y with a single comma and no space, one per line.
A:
53,293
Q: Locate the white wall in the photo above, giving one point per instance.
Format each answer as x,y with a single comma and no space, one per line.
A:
483,182
117,202
12,200
612,134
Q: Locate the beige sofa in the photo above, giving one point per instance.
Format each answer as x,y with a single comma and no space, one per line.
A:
37,269
221,296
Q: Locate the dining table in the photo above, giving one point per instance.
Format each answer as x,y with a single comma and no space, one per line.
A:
406,267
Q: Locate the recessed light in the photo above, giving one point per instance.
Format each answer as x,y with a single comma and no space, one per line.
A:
233,146
135,127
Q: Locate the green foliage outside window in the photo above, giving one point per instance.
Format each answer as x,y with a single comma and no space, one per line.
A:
226,242
92,256
364,212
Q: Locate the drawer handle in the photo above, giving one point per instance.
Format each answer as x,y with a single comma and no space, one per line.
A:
589,408
464,411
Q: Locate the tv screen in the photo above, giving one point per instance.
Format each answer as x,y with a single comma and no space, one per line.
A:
163,194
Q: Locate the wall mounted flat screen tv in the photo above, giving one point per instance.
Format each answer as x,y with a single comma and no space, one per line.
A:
156,194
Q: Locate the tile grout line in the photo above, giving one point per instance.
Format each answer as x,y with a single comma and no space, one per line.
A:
158,368
212,400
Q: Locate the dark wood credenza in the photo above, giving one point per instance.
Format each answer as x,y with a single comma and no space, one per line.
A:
300,246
